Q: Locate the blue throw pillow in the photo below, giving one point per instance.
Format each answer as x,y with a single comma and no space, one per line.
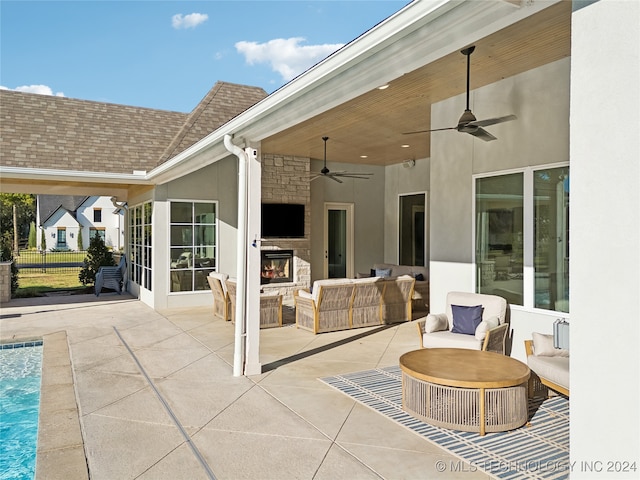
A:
383,272
466,319
373,272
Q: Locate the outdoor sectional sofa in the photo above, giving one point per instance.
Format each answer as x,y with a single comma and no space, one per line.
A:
341,304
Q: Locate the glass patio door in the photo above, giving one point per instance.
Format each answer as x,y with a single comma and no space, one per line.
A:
412,230
338,240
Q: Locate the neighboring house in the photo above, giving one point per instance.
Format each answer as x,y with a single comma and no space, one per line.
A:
497,215
63,216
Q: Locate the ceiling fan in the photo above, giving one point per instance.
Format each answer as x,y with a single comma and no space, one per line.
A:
468,122
325,172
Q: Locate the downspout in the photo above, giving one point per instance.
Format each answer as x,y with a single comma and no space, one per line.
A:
241,259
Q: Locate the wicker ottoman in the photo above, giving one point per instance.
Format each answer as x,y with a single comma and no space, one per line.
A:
467,390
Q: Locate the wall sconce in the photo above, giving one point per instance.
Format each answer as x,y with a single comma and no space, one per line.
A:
53,235
409,163
71,234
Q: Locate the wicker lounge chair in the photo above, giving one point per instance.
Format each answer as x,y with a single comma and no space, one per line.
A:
270,306
436,330
221,303
550,366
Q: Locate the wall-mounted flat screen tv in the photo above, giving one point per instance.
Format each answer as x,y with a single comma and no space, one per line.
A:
282,220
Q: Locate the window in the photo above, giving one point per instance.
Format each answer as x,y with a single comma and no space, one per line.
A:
61,237
411,224
97,215
193,251
140,222
97,232
522,237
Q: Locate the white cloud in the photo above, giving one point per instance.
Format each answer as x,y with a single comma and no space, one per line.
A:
39,89
191,20
285,56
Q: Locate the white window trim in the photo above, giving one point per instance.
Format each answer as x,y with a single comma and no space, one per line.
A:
216,246
426,224
528,286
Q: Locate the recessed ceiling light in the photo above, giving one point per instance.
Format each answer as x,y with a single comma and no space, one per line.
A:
405,145
382,87
364,156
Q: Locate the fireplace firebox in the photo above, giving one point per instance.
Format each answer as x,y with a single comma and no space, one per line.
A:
276,266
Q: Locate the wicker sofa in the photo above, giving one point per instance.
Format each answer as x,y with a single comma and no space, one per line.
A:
420,297
341,304
550,365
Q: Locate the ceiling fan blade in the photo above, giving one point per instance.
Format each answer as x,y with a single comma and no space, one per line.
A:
493,121
482,134
354,175
332,177
432,130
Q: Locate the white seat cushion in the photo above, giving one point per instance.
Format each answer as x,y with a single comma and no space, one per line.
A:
315,291
446,339
222,277
554,369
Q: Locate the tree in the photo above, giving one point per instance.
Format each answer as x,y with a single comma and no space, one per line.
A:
98,255
17,211
33,237
43,240
80,239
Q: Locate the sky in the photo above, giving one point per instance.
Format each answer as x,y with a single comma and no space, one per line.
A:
168,54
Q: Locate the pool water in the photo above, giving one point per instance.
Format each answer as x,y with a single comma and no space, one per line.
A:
20,373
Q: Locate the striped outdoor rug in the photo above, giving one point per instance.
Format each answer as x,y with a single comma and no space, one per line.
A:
538,450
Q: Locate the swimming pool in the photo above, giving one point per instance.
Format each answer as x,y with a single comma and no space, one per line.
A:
20,373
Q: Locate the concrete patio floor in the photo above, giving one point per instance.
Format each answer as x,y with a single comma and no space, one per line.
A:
131,393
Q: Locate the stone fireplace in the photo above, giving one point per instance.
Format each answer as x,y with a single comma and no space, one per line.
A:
279,171
276,266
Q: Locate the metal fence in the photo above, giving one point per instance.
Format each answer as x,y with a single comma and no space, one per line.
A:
35,261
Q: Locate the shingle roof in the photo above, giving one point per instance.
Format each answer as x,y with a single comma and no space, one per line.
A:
223,102
41,131
49,204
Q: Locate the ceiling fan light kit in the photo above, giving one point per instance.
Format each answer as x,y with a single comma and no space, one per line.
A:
325,172
468,122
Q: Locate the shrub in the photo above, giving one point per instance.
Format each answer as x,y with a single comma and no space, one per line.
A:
98,255
33,237
80,240
6,255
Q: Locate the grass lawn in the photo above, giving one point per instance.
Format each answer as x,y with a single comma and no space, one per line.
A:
37,284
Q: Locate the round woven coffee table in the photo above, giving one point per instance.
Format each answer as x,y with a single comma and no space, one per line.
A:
467,390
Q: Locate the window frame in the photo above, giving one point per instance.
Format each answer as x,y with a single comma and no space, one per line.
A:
140,269
193,245
61,237
528,294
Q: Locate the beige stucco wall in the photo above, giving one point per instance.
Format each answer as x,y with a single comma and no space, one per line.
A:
540,135
605,239
399,181
368,199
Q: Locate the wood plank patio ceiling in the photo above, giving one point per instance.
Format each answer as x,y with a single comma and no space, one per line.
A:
373,124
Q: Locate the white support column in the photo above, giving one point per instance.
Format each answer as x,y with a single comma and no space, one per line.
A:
241,260
252,309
